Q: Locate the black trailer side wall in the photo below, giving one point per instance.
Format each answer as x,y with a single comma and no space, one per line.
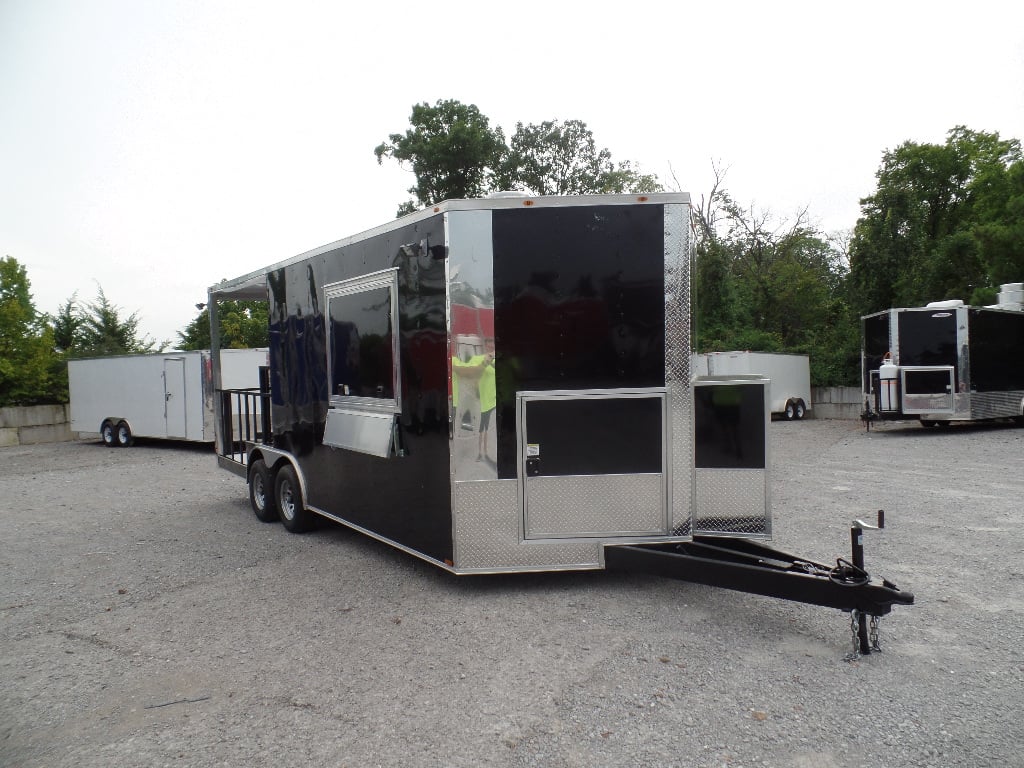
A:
579,303
375,493
996,340
876,343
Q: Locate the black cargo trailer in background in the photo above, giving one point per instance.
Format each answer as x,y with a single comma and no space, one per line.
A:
946,361
504,385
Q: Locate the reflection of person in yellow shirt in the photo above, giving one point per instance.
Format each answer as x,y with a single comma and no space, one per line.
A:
488,398
476,372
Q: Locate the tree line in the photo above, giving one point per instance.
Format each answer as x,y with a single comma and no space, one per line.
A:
944,221
35,346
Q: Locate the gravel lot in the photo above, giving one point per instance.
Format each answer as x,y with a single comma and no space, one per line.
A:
148,619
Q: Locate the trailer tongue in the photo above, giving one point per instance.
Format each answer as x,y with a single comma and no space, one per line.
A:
750,566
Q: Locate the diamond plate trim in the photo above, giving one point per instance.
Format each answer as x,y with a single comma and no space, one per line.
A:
994,405
732,501
487,533
677,365
595,505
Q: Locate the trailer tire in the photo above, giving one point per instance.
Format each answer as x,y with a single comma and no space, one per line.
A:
790,412
801,410
107,434
261,492
291,507
124,435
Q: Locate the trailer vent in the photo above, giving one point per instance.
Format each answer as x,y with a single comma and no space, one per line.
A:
1011,296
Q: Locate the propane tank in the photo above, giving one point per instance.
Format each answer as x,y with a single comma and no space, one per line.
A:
888,379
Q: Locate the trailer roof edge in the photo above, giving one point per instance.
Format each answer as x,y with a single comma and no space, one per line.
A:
252,285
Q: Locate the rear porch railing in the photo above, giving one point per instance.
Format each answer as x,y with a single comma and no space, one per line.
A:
245,419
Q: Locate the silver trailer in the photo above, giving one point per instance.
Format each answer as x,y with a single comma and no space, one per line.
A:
945,362
789,393
163,395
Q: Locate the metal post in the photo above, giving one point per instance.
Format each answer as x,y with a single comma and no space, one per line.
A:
857,545
226,429
265,404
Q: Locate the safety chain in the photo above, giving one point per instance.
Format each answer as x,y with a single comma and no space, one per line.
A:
854,654
855,633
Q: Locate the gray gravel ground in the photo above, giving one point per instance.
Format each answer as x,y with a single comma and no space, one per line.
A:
148,619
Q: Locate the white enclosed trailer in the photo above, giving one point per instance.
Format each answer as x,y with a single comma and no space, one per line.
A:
163,395
790,375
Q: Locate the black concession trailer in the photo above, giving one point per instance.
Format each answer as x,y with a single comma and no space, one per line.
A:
945,362
503,385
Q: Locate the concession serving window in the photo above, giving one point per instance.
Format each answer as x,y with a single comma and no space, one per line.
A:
363,362
362,345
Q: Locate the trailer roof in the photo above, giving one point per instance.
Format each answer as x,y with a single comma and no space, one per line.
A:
1005,309
253,284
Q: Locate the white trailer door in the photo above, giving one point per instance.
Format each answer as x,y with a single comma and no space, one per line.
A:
174,396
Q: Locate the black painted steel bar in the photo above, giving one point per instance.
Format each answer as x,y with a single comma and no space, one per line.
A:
748,566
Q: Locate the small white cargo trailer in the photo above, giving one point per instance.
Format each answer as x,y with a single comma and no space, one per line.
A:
163,395
790,375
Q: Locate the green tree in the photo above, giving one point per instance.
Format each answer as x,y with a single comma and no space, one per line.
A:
26,341
67,326
999,227
940,223
555,158
451,149
243,325
455,153
771,287
104,332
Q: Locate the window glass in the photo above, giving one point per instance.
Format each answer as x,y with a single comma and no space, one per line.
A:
361,343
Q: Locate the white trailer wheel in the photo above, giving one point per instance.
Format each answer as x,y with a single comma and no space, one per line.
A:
124,435
790,412
107,434
801,409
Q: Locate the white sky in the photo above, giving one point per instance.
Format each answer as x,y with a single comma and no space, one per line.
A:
155,147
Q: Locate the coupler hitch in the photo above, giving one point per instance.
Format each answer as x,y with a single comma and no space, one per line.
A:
745,565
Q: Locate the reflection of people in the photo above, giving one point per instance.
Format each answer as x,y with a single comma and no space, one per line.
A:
488,398
474,379
465,389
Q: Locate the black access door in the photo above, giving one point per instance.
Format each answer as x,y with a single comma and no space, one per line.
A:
593,463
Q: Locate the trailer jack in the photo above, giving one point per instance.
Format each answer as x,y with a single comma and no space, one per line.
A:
867,415
745,565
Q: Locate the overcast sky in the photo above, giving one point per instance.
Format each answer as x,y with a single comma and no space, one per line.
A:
155,147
